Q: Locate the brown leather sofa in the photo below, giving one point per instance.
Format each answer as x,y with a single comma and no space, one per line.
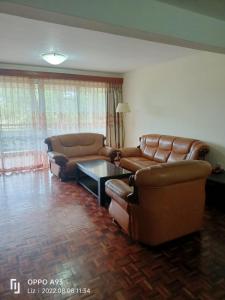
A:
65,150
165,201
156,148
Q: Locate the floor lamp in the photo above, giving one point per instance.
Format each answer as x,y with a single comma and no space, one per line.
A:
121,109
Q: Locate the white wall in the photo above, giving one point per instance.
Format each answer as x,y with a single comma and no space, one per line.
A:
184,97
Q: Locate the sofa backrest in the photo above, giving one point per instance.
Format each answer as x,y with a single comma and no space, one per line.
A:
166,148
77,144
172,173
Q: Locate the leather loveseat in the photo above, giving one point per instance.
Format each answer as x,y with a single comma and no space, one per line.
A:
164,202
65,150
156,148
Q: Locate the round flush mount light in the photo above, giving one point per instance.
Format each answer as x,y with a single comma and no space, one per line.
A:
54,58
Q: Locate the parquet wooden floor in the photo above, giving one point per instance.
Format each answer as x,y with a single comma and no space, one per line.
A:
54,230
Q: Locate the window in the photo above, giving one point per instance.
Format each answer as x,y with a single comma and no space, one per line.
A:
32,109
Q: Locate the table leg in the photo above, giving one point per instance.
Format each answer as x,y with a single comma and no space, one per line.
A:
102,197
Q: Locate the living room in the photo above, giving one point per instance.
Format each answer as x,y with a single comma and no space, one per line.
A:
165,61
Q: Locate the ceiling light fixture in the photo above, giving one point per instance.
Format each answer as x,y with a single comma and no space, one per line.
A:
54,58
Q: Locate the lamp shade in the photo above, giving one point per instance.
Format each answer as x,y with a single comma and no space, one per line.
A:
54,58
123,108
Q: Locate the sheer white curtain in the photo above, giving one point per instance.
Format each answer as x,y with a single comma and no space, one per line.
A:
20,126
74,106
33,109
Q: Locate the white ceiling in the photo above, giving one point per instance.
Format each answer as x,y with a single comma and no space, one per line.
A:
24,40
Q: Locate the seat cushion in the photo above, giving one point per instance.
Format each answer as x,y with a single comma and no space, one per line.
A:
136,163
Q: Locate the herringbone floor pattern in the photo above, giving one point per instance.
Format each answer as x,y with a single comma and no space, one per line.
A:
55,230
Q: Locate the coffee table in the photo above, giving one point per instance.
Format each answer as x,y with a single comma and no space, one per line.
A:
93,174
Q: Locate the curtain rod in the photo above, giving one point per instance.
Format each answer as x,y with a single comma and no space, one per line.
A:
51,75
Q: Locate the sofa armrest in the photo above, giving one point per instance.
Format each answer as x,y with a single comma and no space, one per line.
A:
116,188
48,142
109,152
130,151
132,180
133,197
58,158
198,151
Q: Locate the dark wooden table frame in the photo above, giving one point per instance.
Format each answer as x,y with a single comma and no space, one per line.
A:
90,175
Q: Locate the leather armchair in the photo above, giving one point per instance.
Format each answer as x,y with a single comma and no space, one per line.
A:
162,203
64,151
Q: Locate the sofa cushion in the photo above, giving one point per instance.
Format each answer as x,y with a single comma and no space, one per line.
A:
181,147
149,145
164,148
135,163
